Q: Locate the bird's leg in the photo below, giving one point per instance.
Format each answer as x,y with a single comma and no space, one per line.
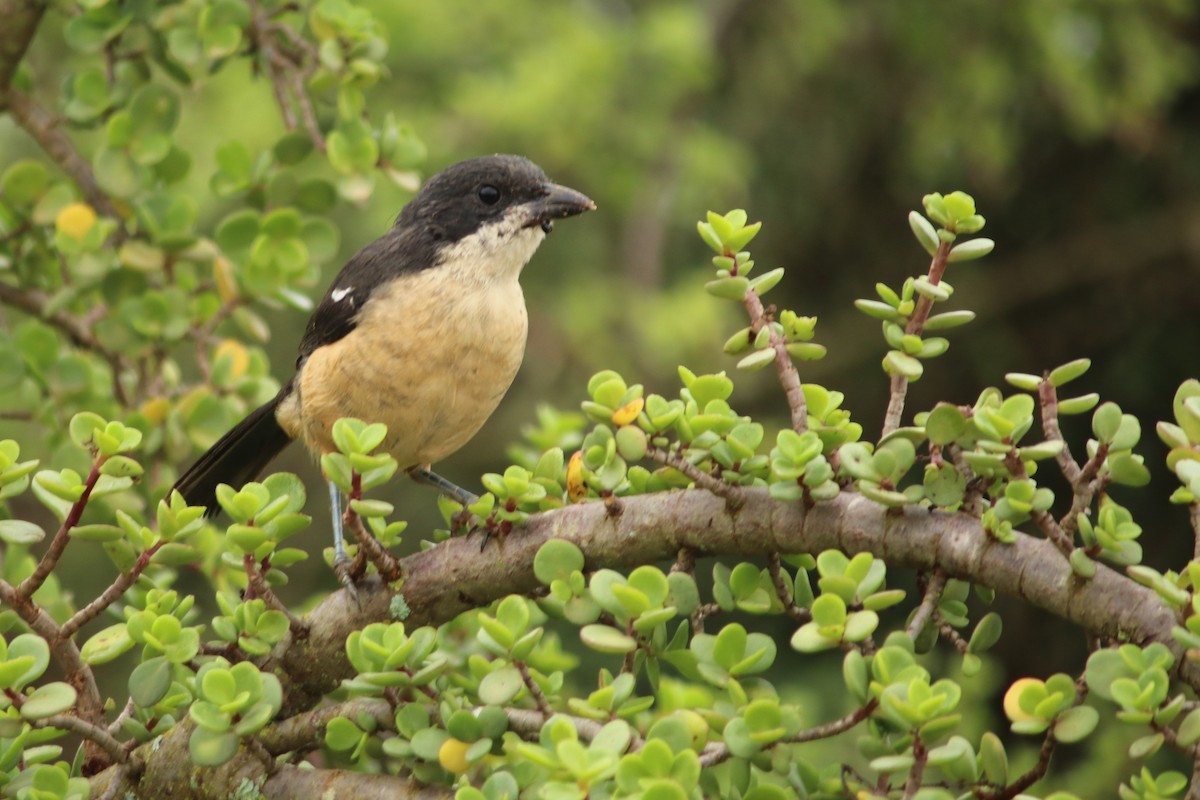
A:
423,474
452,490
341,562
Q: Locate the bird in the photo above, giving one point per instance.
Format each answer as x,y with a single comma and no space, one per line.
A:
423,329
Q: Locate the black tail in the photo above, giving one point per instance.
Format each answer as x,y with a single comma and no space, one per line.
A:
237,457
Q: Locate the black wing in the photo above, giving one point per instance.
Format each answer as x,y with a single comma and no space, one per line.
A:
403,249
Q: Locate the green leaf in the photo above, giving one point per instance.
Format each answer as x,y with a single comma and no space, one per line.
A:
48,700
20,532
342,735
106,645
1069,371
1078,405
1075,724
212,748
878,310
897,363
150,681
606,639
728,288
947,320
24,182
500,686
926,235
945,424
971,250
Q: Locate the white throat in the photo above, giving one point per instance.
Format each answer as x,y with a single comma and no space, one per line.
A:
496,253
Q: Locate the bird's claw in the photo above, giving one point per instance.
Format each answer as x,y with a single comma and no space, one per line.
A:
343,568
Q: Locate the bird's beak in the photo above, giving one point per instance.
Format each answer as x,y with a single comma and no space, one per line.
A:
559,202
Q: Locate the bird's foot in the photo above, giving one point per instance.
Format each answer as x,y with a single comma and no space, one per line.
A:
344,569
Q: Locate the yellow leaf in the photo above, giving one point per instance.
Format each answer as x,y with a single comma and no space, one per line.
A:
1012,698
75,220
223,276
576,488
155,409
236,351
452,755
628,412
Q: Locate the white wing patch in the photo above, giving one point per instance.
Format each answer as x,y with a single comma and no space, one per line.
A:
340,294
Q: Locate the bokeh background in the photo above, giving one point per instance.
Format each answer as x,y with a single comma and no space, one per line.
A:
1075,125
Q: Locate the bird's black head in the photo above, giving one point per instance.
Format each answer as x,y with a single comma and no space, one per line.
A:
507,193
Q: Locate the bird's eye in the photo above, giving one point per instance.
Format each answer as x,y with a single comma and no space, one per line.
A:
489,194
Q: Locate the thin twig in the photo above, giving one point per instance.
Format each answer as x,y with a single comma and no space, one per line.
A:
262,591
307,112
1046,522
915,326
1048,399
114,727
48,133
784,366
59,543
21,19
1032,776
685,561
915,773
715,754
387,564
1085,480
1194,516
110,595
933,594
702,613
535,691
698,476
949,633
94,733
287,71
783,590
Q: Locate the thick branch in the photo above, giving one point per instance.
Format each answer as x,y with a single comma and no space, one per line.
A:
65,652
48,133
166,770
21,18
456,576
